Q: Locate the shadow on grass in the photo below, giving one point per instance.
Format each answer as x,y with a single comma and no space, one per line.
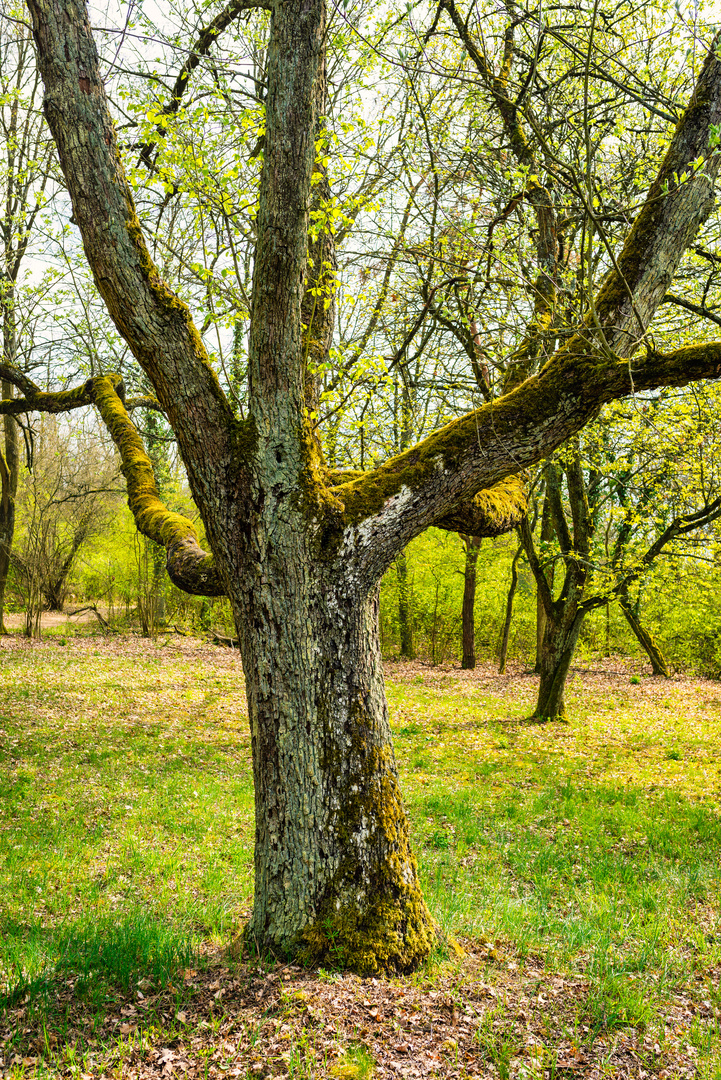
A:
94,956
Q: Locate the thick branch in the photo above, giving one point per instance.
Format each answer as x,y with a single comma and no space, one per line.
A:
679,201
491,512
60,401
154,322
411,491
144,403
189,567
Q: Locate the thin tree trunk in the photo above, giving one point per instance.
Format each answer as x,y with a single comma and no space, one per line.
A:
9,472
509,612
559,644
546,536
9,454
405,608
646,641
55,586
472,544
607,628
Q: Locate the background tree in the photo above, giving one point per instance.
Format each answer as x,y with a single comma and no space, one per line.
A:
63,503
24,174
642,485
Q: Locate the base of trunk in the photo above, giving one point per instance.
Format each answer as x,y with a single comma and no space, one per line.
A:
382,924
372,916
394,936
336,882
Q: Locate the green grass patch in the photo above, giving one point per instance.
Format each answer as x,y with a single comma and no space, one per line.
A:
126,823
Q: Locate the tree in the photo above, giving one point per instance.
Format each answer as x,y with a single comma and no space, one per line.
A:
471,545
298,554
24,174
642,485
62,505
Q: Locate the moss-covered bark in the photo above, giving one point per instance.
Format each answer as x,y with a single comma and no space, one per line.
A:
188,565
336,880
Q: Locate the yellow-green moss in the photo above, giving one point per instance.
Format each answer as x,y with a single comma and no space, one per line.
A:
318,502
390,929
367,495
172,531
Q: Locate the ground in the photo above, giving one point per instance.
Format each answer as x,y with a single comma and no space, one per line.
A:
577,867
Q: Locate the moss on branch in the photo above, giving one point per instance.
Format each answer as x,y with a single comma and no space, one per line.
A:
189,567
531,420
61,401
491,512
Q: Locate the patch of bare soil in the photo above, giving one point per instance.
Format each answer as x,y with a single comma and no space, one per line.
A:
50,619
172,646
483,1020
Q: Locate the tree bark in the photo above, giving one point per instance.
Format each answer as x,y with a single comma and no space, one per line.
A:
405,608
9,474
472,545
335,876
559,644
509,614
645,640
546,537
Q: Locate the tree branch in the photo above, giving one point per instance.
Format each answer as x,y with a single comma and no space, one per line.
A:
37,400
409,492
155,323
207,36
491,512
189,567
696,309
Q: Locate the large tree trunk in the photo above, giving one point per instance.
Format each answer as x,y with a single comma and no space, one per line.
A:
335,876
336,880
472,544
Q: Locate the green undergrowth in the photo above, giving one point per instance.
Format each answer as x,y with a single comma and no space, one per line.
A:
126,823
125,808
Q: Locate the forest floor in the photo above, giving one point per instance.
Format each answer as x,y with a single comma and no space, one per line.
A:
577,865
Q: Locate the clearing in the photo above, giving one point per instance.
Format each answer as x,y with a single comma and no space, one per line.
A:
579,867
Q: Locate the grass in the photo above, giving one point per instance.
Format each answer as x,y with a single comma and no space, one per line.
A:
126,826
590,845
